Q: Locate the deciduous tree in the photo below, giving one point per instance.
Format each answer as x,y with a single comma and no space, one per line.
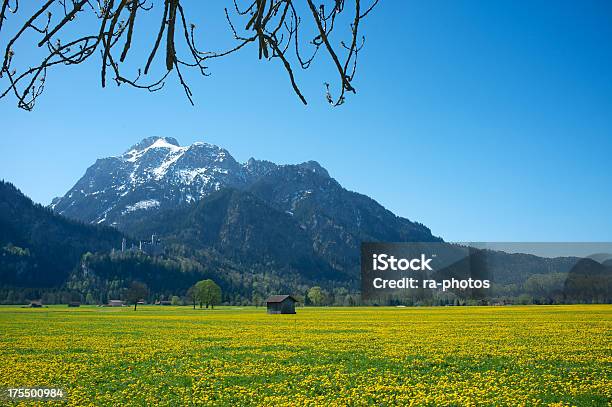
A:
315,295
136,292
208,293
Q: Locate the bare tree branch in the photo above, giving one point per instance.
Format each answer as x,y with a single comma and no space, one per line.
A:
276,26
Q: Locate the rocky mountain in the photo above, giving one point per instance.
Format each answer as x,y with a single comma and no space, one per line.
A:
337,220
308,208
155,174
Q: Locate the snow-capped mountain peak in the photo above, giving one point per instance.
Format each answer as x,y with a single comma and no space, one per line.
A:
147,142
139,150
159,173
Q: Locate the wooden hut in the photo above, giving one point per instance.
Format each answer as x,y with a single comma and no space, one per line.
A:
281,304
36,304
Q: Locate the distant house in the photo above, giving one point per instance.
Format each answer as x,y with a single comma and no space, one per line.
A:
36,304
165,302
115,303
154,247
281,304
74,304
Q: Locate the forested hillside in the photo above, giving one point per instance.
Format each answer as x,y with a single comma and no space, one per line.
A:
39,248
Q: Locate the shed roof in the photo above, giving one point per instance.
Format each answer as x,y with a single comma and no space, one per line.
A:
279,298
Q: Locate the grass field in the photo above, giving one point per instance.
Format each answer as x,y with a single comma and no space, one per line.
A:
174,356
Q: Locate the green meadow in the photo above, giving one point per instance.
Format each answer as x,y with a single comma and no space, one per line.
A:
445,356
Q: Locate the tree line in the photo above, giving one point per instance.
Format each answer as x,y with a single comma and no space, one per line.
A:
205,292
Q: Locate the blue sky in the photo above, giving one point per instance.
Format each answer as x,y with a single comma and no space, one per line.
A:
486,121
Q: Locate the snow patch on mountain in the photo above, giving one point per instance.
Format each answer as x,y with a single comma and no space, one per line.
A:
145,204
188,176
170,159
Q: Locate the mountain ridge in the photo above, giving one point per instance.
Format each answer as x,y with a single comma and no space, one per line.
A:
295,217
181,174
157,173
